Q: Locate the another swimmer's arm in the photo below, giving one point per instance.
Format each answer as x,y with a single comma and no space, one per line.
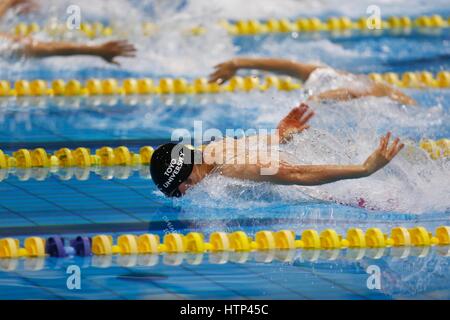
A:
342,94
5,5
228,69
26,6
107,51
381,89
285,66
9,37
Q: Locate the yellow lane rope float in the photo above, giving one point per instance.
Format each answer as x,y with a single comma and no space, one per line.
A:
333,24
254,27
141,86
237,241
436,149
165,86
122,156
79,157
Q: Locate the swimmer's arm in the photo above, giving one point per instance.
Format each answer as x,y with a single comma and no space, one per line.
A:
9,37
47,49
310,175
342,94
107,51
228,69
304,175
320,174
377,90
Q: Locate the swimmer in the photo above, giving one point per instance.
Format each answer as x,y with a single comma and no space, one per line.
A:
174,173
14,46
326,83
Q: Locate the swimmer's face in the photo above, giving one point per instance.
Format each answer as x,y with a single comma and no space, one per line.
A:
194,178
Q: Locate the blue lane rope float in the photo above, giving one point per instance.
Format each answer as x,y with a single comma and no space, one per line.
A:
238,241
165,86
256,27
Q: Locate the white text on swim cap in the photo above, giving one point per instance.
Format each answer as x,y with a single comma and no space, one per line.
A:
173,170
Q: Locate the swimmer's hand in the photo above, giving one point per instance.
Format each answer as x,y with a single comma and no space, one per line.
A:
383,155
112,49
295,122
224,72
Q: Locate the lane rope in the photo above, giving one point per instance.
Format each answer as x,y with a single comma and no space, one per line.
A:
288,256
79,157
242,27
109,163
165,86
122,156
334,24
238,241
141,86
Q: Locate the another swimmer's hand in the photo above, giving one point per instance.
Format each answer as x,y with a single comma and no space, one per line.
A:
295,122
224,72
112,49
383,155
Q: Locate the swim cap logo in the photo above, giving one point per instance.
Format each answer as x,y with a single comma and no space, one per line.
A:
173,169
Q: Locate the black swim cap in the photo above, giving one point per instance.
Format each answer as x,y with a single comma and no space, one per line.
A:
170,166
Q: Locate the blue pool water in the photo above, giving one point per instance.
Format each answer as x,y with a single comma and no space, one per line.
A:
121,200
201,277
